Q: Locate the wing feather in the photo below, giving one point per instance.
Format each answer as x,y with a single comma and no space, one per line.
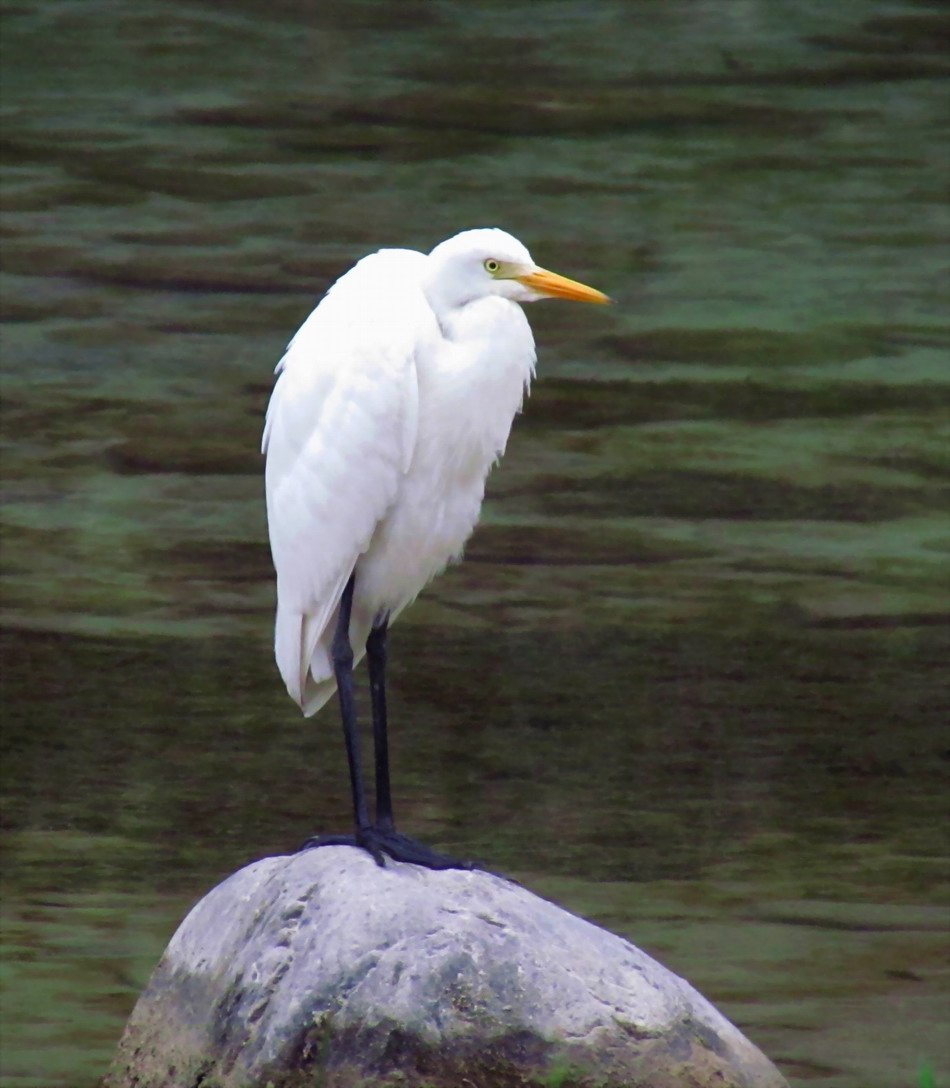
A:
339,435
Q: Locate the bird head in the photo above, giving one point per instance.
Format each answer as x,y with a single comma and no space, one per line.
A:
479,263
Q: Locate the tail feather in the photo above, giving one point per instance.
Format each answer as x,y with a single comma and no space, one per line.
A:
288,635
302,647
302,644
316,694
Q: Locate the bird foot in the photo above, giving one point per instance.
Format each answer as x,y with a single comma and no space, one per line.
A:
381,843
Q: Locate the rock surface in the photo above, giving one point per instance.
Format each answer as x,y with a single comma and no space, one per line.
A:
324,969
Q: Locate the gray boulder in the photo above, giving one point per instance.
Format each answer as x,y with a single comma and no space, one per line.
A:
324,969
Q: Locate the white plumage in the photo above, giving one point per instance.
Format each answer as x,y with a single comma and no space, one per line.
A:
392,402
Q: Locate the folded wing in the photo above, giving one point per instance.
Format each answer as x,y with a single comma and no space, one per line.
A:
339,435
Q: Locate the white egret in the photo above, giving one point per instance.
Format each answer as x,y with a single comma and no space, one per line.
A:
392,403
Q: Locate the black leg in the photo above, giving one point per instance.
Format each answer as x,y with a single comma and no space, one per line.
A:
384,835
342,654
376,658
380,839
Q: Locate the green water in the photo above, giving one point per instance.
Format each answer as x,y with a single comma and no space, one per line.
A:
691,678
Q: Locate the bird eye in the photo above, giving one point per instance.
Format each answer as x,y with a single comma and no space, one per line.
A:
491,265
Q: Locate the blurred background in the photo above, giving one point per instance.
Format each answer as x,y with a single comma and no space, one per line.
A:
689,681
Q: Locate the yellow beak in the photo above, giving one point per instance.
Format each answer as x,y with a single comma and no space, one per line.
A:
555,286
